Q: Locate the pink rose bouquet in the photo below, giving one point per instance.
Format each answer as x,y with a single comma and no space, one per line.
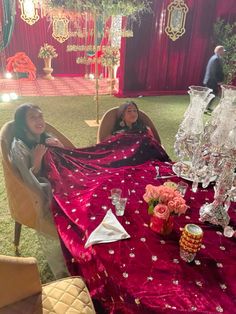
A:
164,202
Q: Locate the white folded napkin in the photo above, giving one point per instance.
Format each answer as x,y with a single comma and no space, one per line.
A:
109,230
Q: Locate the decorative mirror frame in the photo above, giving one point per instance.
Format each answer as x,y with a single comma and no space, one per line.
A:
177,11
60,28
30,19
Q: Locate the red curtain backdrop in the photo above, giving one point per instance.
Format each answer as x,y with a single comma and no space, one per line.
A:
29,39
151,63
155,65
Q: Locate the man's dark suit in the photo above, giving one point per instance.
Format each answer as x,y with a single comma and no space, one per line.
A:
214,73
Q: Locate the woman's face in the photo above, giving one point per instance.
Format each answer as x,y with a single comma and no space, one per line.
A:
130,115
34,121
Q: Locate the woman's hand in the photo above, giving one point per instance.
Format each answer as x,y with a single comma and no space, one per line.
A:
38,153
52,141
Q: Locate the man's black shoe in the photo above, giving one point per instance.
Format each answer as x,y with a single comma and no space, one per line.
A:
208,112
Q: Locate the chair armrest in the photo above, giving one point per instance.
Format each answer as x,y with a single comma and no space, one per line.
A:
62,138
106,125
19,279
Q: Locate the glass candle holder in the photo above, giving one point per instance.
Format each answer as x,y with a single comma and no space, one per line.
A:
182,188
190,242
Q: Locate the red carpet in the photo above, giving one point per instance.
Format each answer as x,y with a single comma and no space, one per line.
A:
60,86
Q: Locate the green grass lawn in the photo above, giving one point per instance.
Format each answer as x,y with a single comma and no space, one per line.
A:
67,114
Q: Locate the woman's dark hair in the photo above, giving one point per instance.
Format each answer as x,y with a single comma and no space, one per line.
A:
20,126
120,124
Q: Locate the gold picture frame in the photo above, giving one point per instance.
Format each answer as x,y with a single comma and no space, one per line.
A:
29,12
60,28
177,11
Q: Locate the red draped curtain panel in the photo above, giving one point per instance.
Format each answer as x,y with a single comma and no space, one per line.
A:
153,64
29,39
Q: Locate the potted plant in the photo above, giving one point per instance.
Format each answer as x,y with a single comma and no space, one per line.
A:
47,52
225,35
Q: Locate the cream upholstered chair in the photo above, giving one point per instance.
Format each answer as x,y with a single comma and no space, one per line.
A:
21,198
21,291
109,119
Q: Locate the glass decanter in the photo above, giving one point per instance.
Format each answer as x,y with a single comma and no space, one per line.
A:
207,160
190,131
220,139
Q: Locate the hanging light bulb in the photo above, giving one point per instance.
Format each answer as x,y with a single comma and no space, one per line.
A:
29,11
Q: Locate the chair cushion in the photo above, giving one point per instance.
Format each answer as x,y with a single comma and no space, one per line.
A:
65,296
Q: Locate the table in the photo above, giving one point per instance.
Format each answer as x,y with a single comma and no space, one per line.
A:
144,274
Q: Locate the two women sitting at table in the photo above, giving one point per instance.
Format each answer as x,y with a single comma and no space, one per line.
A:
31,143
34,153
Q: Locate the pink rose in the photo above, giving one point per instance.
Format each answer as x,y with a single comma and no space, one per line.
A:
171,206
161,211
150,193
182,209
147,197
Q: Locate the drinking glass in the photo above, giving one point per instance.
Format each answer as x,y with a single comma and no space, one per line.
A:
120,206
115,195
182,188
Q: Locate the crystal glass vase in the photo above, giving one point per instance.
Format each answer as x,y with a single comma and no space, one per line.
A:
191,129
219,141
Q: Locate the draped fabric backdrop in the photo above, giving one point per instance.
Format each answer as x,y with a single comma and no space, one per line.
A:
153,64
7,22
29,39
7,14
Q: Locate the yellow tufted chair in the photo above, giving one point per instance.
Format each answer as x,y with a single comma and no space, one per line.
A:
21,198
109,119
21,291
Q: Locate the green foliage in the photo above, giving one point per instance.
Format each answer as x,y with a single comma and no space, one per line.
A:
225,35
106,8
111,57
47,51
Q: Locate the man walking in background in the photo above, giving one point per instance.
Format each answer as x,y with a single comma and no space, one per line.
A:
214,74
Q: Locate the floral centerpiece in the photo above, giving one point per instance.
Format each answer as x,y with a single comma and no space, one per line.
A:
164,202
111,57
47,51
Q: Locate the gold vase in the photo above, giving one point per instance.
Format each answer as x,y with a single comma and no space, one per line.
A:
48,69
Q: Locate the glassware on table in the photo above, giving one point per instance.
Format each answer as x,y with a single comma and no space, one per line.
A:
120,206
211,149
190,242
189,133
229,232
157,168
182,188
115,195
